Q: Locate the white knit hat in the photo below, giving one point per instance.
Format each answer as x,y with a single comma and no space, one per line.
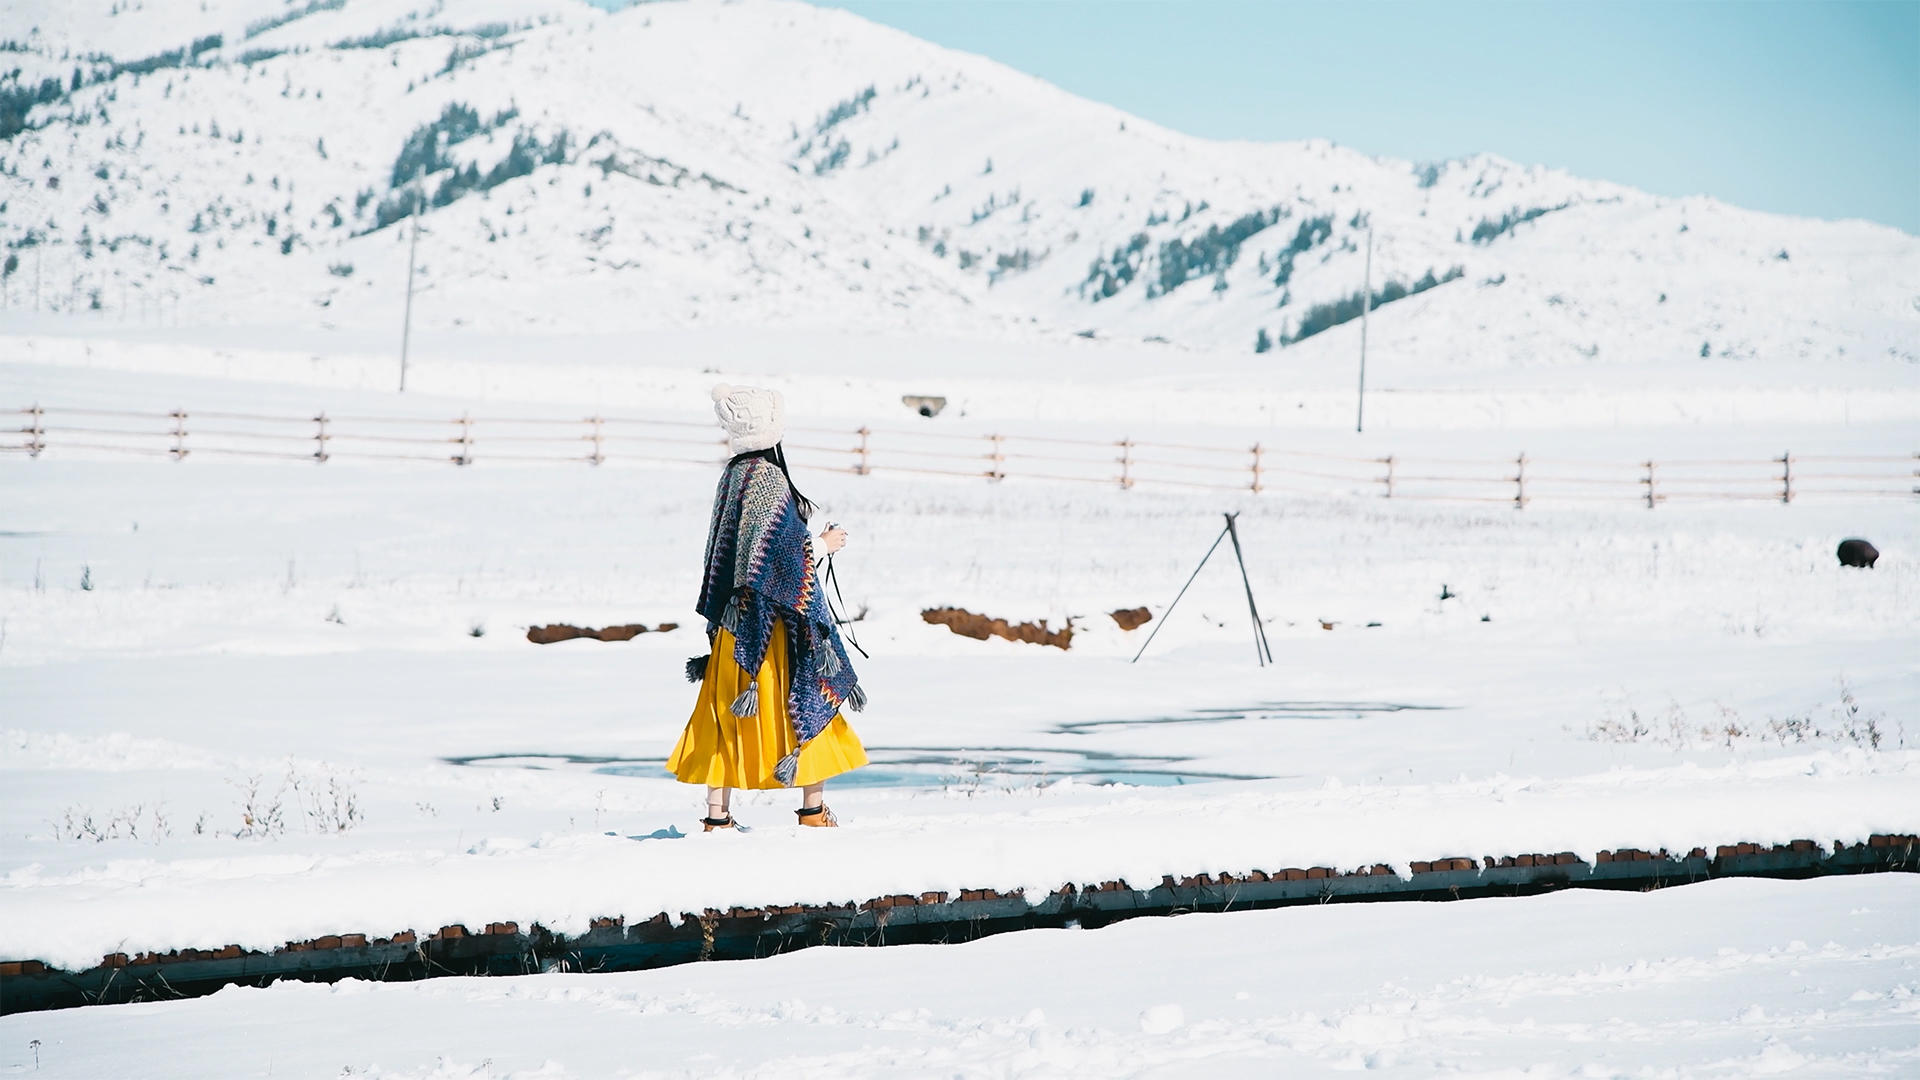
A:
754,419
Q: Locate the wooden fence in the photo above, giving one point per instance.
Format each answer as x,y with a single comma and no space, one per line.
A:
1125,463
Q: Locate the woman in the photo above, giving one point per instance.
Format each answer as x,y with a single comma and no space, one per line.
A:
770,692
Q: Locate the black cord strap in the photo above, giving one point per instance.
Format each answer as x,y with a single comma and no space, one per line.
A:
838,610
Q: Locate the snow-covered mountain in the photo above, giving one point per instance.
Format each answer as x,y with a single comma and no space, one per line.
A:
768,163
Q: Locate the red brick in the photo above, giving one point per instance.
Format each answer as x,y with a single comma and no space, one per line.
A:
1258,875
1294,874
13,967
405,937
933,898
327,942
503,928
1879,840
114,960
1319,872
1566,858
354,941
1602,857
1422,867
454,931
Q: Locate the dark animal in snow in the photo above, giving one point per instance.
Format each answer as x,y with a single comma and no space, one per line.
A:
1857,552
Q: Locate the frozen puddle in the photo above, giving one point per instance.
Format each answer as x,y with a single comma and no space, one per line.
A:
1001,767
1289,711
924,767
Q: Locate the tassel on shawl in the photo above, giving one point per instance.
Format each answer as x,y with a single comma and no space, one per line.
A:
748,703
857,699
787,768
697,667
828,663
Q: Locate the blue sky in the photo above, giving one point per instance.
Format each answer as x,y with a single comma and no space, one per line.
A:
1795,107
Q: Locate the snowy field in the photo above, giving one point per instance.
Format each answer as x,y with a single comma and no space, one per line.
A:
253,703
337,655
1727,979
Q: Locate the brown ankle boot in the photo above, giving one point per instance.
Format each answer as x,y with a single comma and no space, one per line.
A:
818,817
709,824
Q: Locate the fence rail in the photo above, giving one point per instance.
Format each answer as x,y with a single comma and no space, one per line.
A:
1126,463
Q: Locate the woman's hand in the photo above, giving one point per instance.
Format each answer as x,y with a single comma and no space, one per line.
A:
833,539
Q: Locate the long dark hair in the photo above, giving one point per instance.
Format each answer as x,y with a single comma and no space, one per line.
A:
778,456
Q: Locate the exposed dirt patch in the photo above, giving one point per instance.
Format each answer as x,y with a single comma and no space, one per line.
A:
981,627
547,635
1132,618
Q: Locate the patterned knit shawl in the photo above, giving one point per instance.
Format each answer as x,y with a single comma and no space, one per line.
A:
760,568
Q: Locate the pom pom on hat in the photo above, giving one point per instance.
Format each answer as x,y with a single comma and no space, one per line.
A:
753,418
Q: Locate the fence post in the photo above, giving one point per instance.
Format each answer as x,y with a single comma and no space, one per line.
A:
320,438
466,440
998,458
1520,482
1126,463
1256,468
1648,481
599,441
179,434
1388,462
37,432
1786,477
863,468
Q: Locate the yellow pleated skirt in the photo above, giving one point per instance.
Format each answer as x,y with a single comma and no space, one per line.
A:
719,749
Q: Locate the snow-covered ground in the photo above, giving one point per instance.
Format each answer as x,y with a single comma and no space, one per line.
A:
191,646
253,702
1727,979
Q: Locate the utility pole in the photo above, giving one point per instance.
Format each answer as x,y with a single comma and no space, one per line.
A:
413,245
1366,302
